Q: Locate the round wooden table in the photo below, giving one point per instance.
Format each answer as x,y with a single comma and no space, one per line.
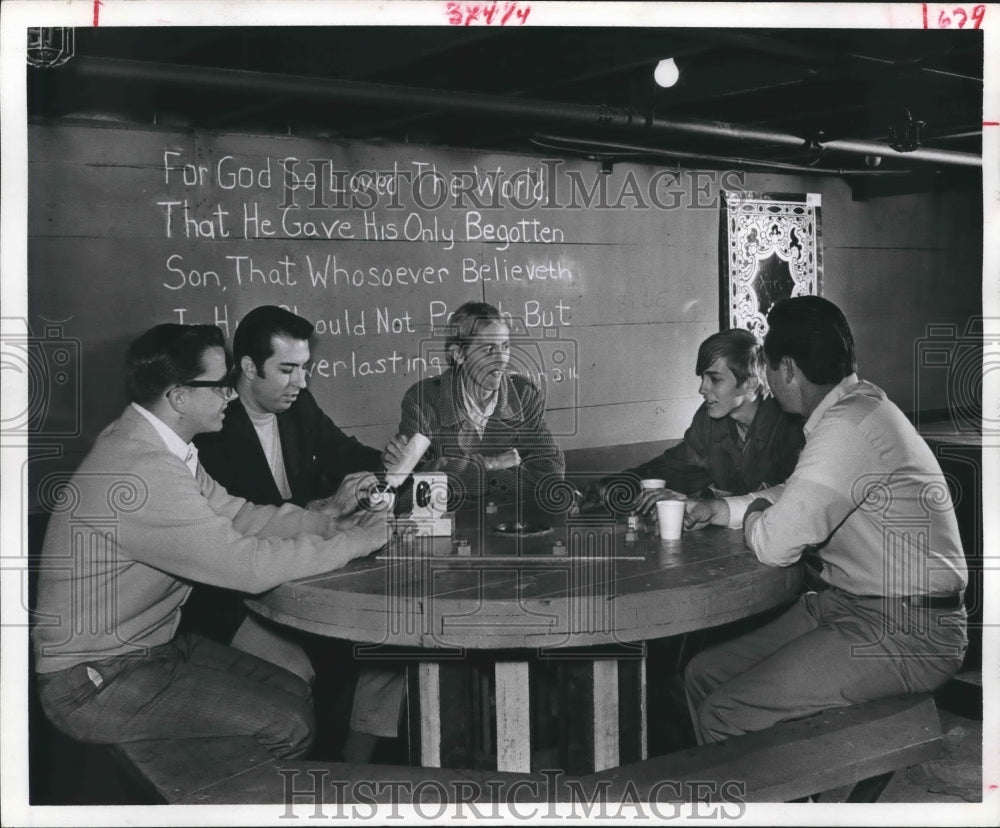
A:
606,592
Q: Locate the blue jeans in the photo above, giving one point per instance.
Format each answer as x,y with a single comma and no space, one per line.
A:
188,688
829,650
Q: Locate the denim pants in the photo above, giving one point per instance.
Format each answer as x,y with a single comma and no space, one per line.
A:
829,650
188,688
378,701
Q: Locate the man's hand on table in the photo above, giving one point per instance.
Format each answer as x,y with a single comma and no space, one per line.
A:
645,502
368,530
508,460
701,512
349,498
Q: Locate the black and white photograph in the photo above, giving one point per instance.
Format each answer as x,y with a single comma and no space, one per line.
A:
500,411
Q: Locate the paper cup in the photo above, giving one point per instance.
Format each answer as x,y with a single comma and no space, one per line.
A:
653,483
415,449
670,517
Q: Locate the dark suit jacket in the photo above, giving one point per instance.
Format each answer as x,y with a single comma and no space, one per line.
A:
318,456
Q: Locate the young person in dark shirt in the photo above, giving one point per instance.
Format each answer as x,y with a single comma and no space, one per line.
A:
738,442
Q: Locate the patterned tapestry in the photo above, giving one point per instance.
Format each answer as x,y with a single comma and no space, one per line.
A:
771,248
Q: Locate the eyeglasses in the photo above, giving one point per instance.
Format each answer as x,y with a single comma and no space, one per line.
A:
223,387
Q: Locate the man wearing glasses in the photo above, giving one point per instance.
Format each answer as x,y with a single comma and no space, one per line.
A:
138,522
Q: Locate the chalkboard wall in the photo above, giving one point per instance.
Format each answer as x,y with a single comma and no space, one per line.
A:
610,276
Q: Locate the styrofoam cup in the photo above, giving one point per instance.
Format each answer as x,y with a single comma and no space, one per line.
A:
653,483
670,517
415,449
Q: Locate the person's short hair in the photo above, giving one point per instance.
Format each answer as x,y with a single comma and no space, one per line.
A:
814,332
255,334
168,355
465,321
741,351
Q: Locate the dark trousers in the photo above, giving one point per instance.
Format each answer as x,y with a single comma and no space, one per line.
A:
190,687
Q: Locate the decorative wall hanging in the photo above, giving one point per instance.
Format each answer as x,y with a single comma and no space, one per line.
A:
771,249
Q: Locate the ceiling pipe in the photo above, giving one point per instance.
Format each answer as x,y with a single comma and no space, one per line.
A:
238,80
564,144
840,62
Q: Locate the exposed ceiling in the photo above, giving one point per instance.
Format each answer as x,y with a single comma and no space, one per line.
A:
812,99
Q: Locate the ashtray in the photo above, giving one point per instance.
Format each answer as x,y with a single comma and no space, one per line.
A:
521,530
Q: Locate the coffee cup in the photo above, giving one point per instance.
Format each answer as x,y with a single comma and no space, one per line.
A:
653,483
670,517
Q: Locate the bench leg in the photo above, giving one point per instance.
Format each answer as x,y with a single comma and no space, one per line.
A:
868,790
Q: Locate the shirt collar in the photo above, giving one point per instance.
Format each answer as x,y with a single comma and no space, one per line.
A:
765,420
187,453
452,395
758,429
837,393
478,413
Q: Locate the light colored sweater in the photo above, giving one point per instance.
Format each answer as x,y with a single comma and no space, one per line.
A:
133,527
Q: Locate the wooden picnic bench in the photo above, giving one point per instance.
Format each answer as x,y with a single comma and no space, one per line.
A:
861,745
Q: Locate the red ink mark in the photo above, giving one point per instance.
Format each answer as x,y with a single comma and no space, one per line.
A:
97,12
991,123
465,14
955,17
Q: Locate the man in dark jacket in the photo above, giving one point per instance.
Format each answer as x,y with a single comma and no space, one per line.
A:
277,446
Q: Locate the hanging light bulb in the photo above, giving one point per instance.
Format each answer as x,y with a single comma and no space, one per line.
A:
666,73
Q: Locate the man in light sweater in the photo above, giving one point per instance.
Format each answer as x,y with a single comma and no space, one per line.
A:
141,519
867,510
